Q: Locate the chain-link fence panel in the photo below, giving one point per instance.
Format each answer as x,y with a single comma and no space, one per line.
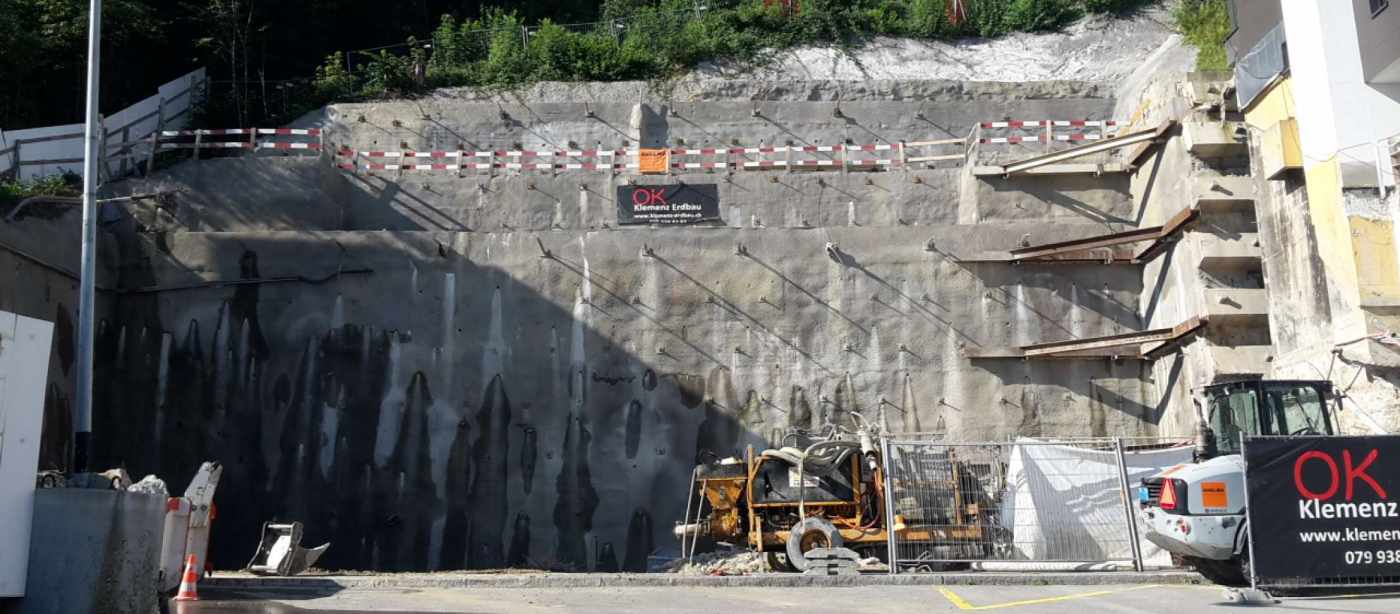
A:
1029,500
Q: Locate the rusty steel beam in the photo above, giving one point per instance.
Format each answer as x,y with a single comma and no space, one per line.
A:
1079,245
1183,332
1141,150
1165,336
1169,232
1117,142
1078,250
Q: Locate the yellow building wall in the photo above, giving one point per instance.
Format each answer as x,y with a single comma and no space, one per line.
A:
1333,230
1342,256
1272,106
1373,247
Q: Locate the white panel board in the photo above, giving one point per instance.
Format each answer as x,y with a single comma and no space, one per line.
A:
24,366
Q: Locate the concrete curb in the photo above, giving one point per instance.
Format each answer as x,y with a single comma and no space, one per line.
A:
593,580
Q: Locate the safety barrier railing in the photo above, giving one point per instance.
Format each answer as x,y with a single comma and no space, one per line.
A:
1046,131
775,157
486,161
671,160
1066,501
252,139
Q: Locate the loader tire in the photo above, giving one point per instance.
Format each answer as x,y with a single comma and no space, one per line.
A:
808,534
778,562
1230,572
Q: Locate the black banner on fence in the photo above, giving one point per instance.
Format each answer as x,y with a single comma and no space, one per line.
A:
667,204
1324,507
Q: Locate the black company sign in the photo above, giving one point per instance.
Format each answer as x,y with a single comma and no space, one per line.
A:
667,204
1324,507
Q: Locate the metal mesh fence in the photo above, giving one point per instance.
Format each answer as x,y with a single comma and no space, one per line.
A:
1031,500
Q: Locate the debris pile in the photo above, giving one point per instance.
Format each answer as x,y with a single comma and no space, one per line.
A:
150,485
720,563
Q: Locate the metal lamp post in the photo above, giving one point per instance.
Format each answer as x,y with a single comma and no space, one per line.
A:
82,422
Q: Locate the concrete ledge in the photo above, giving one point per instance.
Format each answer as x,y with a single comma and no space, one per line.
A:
596,580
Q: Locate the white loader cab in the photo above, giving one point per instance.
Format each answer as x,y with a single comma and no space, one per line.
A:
1196,511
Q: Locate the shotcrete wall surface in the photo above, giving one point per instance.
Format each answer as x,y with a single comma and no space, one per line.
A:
39,265
442,372
1169,181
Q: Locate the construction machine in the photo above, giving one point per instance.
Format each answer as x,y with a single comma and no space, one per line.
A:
1196,511
829,494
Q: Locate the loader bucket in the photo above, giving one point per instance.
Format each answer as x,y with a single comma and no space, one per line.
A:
280,552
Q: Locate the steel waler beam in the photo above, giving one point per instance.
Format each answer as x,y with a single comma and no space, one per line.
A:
1125,345
1164,336
1169,233
1132,138
1077,249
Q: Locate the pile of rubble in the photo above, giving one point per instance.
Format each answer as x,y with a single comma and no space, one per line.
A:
720,563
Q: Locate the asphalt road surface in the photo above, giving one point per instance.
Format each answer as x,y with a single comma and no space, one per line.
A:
1178,599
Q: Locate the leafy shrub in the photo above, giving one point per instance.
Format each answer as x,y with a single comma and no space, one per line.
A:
1205,24
1039,15
333,80
12,191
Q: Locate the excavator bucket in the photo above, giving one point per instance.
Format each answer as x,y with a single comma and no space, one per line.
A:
280,552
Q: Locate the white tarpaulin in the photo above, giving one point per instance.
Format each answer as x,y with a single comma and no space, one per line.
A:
1065,503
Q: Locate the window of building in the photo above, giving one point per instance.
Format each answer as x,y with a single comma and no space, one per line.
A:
1377,6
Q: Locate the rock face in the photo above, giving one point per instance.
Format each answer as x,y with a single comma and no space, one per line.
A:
481,369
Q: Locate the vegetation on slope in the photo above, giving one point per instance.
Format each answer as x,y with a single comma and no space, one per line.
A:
12,191
642,39
1205,24
263,55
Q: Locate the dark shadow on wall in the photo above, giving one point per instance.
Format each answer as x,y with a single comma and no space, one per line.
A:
237,193
407,439
1147,188
1057,192
390,199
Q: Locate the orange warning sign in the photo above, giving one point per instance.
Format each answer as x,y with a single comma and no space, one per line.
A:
653,161
1213,495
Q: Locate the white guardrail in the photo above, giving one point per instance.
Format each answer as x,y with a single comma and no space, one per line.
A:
32,153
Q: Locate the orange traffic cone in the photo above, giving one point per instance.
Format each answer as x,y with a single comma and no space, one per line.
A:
188,581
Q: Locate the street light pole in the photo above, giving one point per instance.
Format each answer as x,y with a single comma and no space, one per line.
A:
82,423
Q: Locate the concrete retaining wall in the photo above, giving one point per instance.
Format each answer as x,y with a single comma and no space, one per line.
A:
92,552
395,363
